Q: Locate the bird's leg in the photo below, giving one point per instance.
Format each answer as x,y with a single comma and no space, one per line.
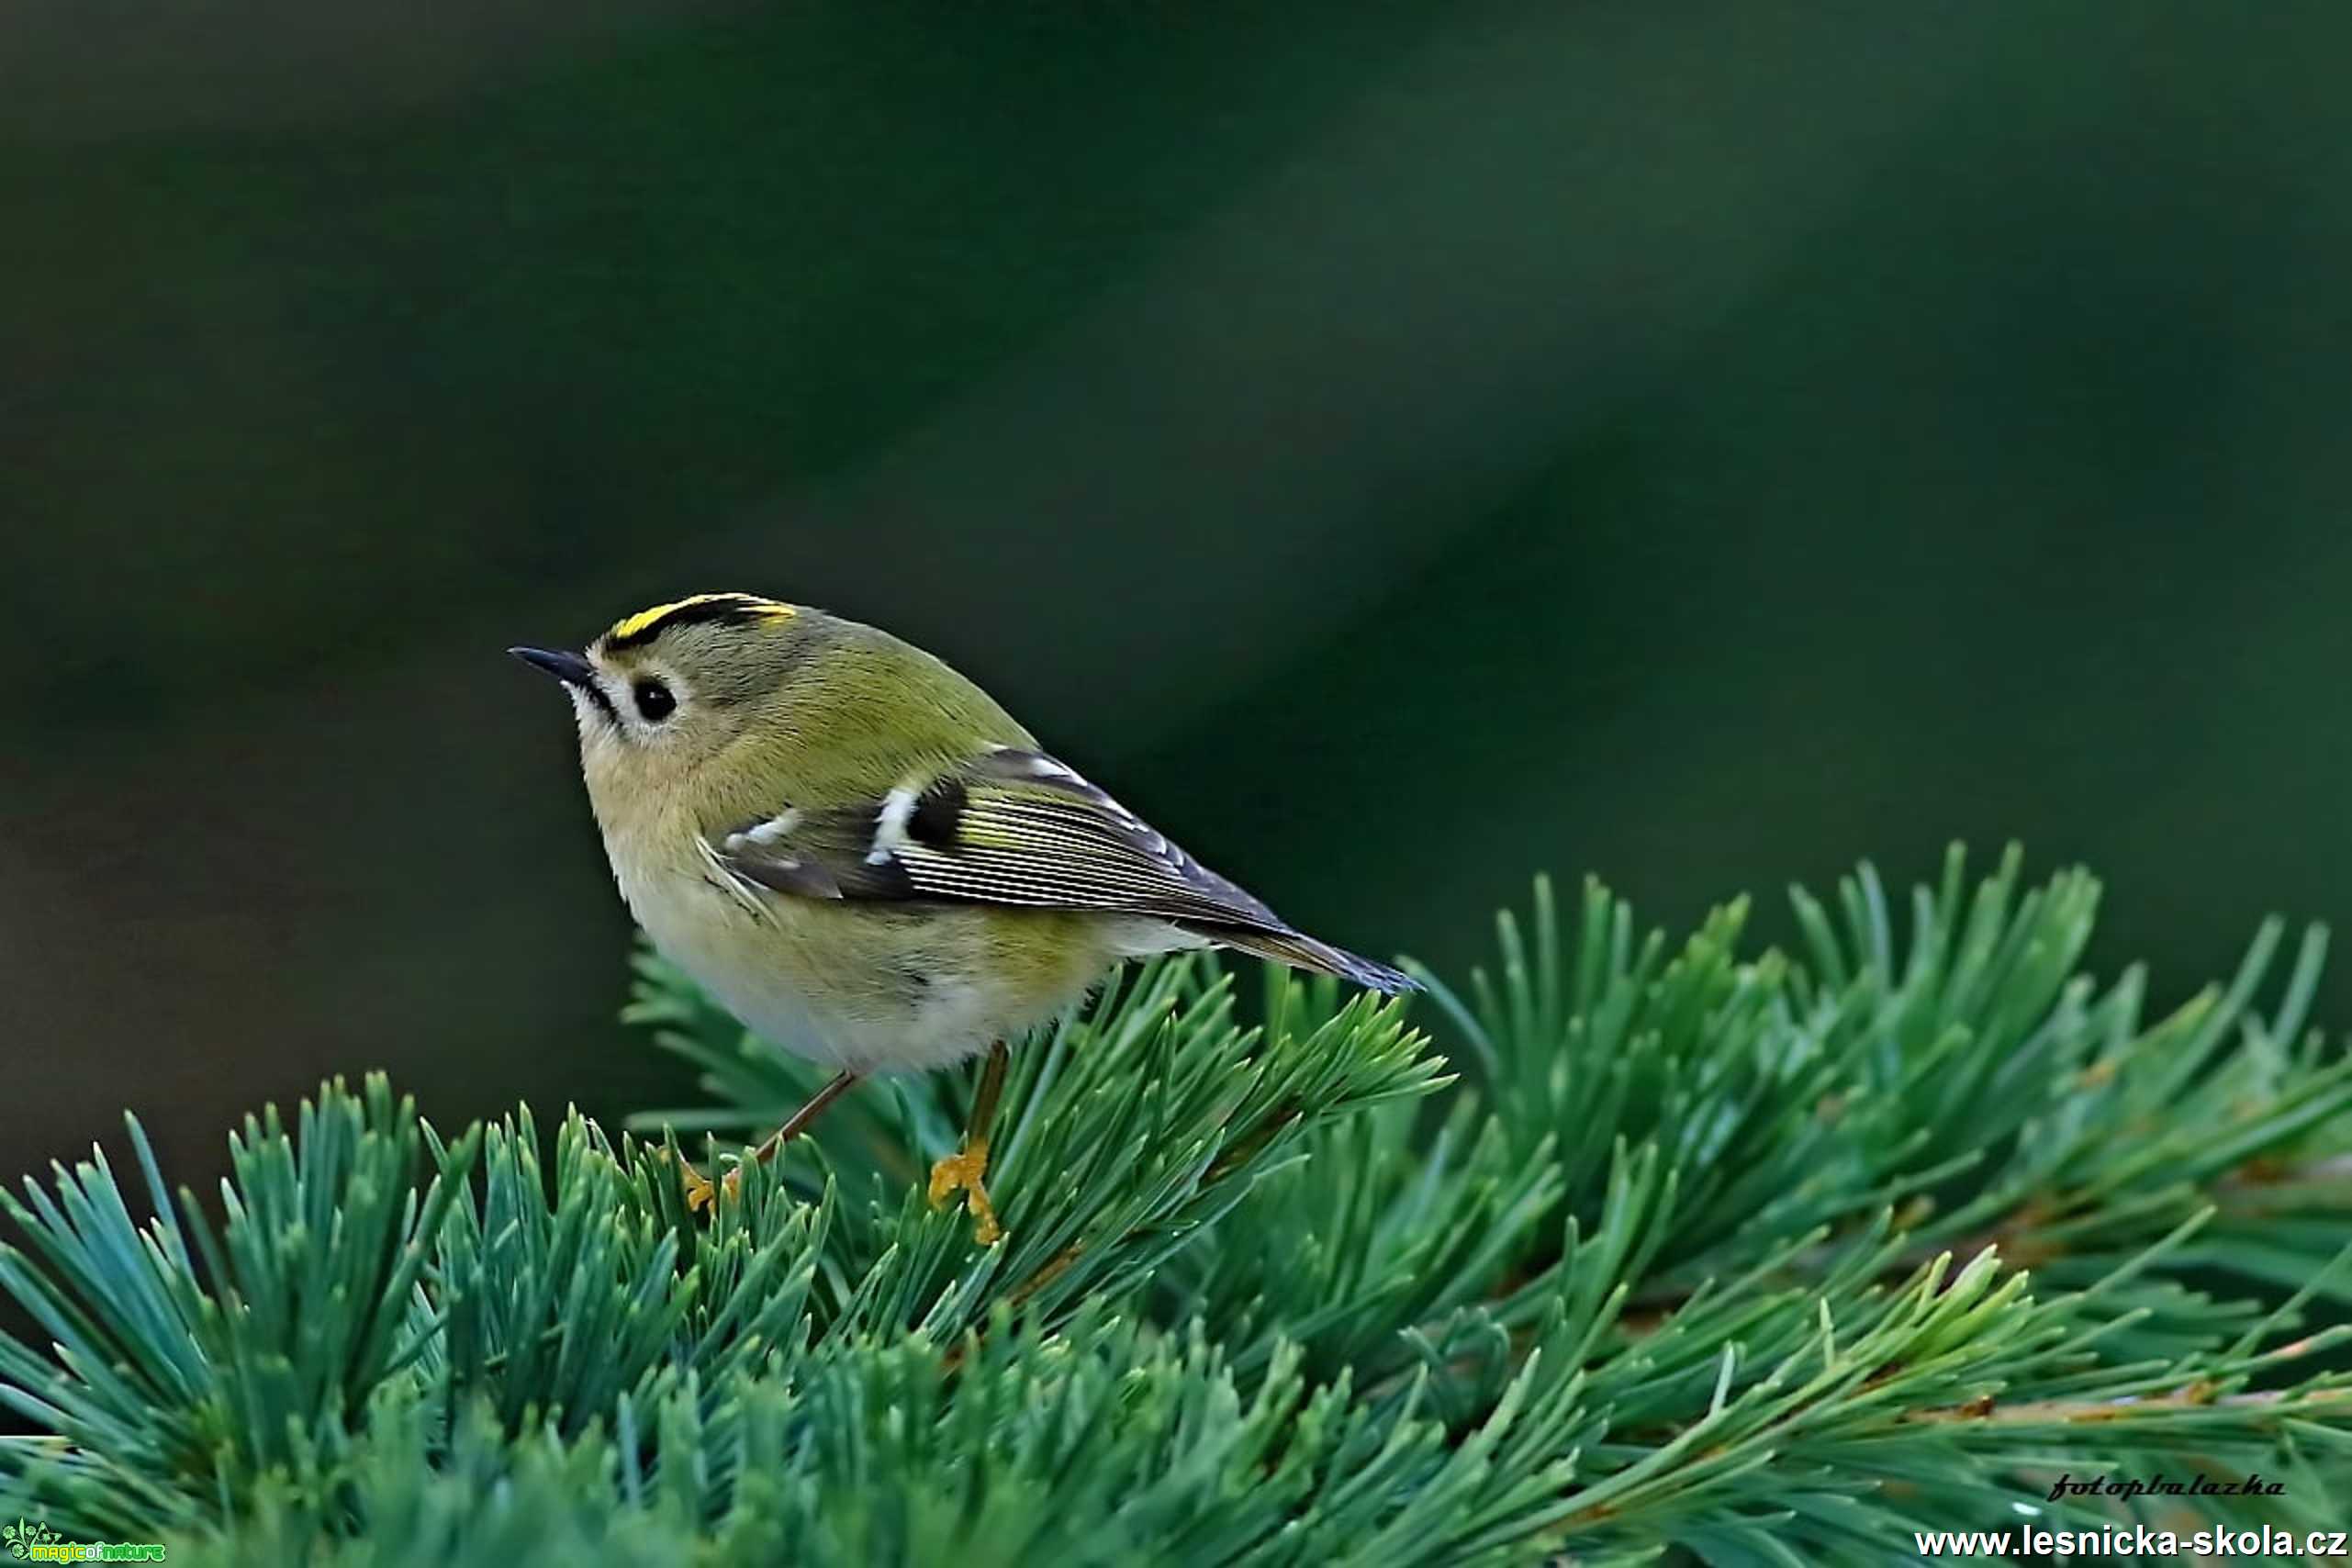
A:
699,1189
965,1169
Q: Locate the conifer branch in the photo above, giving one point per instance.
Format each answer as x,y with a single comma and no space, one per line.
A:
1744,1255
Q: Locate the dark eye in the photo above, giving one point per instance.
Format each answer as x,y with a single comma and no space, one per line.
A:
654,700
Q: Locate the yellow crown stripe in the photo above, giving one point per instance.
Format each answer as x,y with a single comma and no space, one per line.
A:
631,628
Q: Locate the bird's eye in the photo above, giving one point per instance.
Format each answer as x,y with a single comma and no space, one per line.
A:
654,703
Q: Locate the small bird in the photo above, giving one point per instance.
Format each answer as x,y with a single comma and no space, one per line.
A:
865,860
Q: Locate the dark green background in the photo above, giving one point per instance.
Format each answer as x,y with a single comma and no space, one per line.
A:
1395,447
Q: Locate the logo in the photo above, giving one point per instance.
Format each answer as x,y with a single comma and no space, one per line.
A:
31,1541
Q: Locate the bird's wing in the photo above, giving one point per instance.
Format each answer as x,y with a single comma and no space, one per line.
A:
1016,827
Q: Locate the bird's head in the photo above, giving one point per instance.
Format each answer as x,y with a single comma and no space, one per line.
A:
662,691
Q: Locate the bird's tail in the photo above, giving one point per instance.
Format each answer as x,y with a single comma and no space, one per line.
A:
1301,951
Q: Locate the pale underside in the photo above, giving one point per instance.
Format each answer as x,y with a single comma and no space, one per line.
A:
883,987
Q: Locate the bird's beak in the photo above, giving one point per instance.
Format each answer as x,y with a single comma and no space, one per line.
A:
569,668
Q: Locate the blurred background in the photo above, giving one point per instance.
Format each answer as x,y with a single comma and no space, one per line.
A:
1396,447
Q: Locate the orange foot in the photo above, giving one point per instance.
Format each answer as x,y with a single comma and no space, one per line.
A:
700,1192
963,1172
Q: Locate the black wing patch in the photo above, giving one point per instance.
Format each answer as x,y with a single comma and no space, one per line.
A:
1019,828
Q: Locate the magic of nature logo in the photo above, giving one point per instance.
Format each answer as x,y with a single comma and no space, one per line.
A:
31,1541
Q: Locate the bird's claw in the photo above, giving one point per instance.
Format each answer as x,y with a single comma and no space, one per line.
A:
963,1172
701,1192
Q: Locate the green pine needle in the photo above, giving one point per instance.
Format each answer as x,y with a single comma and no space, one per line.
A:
1714,1252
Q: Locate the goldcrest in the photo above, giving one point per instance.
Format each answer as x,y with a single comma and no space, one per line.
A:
862,857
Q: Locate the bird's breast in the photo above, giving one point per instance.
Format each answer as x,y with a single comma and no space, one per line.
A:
868,987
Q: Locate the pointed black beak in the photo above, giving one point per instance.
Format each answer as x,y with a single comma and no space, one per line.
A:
569,668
